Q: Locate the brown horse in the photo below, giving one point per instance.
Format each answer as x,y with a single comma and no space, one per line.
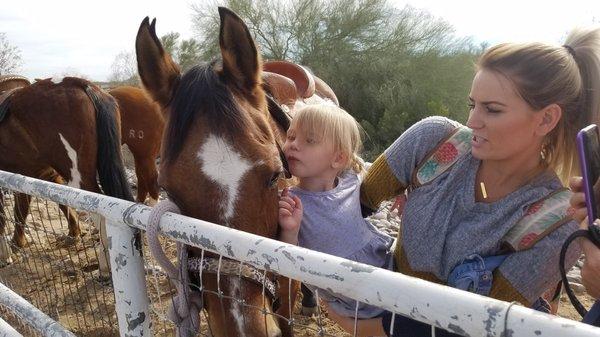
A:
67,133
142,125
220,161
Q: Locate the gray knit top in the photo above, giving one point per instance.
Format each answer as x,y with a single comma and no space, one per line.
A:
442,223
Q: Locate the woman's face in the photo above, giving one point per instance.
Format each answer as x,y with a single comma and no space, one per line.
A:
504,125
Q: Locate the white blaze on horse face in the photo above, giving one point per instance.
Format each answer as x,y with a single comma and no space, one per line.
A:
235,309
226,167
72,154
270,323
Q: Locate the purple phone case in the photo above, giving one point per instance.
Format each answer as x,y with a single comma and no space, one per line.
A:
583,161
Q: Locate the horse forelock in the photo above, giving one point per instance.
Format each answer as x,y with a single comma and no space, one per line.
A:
201,91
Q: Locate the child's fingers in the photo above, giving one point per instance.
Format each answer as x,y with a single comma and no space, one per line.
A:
284,212
288,200
297,202
285,205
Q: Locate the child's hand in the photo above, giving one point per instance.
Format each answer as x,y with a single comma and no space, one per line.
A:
578,199
290,217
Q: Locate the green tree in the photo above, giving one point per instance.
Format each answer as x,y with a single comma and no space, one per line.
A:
389,67
170,42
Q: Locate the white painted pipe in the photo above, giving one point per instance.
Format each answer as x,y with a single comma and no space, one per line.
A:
448,308
33,317
129,283
8,331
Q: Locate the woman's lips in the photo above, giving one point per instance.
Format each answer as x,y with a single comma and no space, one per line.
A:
478,140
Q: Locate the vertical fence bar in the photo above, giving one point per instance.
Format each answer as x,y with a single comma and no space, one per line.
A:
127,267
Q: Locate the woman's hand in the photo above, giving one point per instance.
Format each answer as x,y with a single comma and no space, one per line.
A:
578,200
290,217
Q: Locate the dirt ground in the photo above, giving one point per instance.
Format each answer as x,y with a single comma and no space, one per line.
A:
60,276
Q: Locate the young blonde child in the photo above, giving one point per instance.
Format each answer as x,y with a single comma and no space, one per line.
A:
322,212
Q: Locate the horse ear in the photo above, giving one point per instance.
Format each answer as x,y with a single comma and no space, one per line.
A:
241,61
158,72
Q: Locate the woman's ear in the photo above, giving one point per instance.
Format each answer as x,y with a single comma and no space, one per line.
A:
549,118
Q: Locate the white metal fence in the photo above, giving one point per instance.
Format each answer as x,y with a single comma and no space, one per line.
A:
454,310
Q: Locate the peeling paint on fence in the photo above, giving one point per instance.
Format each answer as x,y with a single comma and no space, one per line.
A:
31,315
461,312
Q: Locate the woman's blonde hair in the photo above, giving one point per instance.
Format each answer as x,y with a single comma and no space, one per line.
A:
329,122
567,75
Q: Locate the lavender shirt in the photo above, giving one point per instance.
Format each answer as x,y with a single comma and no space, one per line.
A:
332,223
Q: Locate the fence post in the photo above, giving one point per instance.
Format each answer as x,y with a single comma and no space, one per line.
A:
129,283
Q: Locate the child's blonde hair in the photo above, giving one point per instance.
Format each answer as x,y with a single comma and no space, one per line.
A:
331,123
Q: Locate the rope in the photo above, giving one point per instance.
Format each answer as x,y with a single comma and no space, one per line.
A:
186,306
505,332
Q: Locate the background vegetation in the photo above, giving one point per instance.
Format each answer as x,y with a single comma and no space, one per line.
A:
389,67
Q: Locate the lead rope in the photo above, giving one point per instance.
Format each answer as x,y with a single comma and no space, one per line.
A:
186,306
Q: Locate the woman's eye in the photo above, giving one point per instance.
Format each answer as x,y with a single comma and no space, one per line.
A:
311,140
471,106
491,109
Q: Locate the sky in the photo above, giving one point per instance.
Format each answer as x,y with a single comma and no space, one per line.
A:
82,37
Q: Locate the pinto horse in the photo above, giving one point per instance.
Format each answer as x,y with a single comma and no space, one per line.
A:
142,125
67,133
220,160
8,85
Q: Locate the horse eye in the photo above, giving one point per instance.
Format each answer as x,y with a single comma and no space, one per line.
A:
274,179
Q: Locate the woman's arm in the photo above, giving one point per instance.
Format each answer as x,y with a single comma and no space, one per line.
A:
379,184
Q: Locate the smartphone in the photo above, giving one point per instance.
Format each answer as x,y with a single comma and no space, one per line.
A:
588,147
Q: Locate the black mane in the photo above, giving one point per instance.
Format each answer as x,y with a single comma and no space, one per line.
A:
200,90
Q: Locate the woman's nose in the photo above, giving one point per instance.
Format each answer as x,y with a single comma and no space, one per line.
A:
474,121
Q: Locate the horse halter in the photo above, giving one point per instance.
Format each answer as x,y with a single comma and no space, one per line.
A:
233,268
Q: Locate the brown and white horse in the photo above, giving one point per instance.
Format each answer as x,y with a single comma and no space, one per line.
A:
63,132
219,158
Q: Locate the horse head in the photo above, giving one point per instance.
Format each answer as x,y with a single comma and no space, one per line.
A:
220,159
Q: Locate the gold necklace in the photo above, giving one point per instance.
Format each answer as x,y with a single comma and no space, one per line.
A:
483,191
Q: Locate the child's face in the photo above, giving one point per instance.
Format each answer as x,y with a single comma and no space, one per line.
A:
309,156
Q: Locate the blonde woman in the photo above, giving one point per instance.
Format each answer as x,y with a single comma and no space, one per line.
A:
527,102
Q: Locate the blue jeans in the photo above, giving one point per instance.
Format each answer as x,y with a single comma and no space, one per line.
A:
475,273
593,316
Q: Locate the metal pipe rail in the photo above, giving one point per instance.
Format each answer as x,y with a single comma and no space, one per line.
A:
36,319
8,331
448,308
